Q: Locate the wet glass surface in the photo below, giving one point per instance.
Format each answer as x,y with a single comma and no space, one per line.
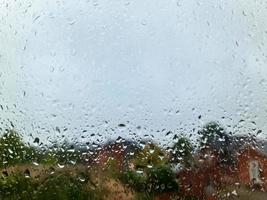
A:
133,100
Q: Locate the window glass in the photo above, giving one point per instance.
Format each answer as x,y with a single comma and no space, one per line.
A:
133,100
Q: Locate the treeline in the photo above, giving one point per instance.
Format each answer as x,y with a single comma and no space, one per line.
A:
13,151
148,172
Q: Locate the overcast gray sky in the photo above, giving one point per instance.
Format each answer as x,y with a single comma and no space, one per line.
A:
89,65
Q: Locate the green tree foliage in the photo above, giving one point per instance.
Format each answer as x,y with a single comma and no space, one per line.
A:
62,186
59,186
65,154
151,156
214,136
17,186
13,151
157,180
160,180
152,174
48,158
135,180
182,152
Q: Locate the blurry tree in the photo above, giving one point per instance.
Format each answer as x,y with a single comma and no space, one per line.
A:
62,154
13,151
161,179
152,174
153,182
151,156
182,152
135,180
17,186
214,136
66,186
48,158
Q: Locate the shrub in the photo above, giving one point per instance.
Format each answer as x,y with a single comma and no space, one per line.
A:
17,186
153,182
160,180
62,187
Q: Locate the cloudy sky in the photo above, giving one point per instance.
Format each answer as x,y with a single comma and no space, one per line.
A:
77,69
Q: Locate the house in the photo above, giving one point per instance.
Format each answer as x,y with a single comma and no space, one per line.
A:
209,174
252,167
246,165
118,152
